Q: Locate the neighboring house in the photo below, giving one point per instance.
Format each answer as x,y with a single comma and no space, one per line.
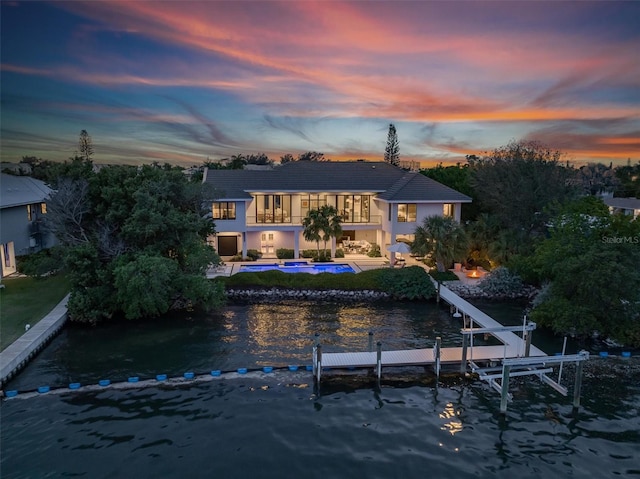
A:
627,206
22,205
379,203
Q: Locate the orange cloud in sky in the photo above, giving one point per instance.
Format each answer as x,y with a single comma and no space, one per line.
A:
411,62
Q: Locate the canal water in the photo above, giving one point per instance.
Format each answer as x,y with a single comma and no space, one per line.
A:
279,426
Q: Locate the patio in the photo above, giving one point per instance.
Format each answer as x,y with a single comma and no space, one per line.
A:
358,261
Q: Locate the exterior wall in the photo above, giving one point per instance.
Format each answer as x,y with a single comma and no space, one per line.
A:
237,225
19,236
8,258
283,235
14,226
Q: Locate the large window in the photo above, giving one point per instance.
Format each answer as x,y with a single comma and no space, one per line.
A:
224,210
407,212
273,208
311,202
353,208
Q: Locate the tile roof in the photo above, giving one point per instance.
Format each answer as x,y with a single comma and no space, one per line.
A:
625,203
393,184
21,190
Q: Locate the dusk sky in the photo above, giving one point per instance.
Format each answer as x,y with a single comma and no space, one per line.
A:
182,81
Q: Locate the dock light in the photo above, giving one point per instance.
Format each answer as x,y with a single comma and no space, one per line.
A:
457,314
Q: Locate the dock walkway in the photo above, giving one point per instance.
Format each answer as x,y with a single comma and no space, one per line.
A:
18,353
513,346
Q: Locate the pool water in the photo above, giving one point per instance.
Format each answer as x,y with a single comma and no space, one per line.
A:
298,267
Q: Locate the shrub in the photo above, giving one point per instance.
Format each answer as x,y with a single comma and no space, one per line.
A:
374,252
236,258
407,283
41,264
285,253
501,282
325,255
443,275
339,253
254,254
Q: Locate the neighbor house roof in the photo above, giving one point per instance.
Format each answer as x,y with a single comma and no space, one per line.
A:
391,183
21,190
623,203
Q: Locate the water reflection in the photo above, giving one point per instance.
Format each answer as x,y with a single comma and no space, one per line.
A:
454,425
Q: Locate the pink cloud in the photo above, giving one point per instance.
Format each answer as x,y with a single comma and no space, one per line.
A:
405,61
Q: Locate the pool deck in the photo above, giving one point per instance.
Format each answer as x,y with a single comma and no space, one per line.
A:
359,262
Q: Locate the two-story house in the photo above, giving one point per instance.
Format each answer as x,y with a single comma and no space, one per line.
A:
379,203
22,206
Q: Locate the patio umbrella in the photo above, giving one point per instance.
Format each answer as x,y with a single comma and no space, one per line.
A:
398,248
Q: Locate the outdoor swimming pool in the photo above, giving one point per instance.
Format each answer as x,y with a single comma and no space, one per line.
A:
299,267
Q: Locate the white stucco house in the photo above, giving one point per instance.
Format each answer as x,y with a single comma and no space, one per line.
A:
22,206
379,203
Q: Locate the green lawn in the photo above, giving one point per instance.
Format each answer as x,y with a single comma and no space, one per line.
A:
26,301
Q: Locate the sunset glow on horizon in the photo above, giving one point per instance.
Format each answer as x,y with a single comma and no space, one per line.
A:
181,82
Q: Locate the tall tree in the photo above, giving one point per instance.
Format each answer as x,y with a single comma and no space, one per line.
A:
238,162
258,159
520,183
595,178
442,238
457,177
311,156
134,243
629,177
392,150
286,158
85,146
590,261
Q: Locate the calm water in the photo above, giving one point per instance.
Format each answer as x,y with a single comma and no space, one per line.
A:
278,426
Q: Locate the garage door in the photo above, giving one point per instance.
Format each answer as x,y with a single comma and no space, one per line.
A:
227,245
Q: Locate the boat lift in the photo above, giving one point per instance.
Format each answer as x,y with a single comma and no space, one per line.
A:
524,365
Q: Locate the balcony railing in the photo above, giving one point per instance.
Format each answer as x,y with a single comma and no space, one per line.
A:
267,219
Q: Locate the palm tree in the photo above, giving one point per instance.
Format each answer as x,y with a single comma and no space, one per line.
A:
322,224
333,220
238,162
481,234
312,224
443,238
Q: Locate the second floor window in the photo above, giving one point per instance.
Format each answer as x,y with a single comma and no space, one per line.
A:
273,208
353,208
407,212
224,210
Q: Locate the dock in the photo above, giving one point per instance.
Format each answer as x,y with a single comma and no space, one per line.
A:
17,354
516,356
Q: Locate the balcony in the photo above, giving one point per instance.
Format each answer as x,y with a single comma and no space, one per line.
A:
267,219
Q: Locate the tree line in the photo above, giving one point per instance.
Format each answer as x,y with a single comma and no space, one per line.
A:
542,219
